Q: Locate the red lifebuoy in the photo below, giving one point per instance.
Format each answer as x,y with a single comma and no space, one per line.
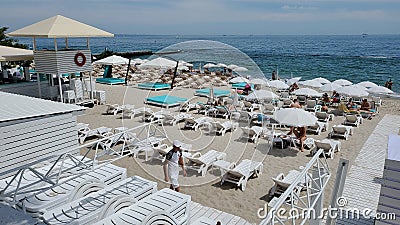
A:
77,56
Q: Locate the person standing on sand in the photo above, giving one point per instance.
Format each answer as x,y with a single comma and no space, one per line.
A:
173,160
273,77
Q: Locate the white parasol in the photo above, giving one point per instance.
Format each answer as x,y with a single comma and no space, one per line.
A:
295,117
307,92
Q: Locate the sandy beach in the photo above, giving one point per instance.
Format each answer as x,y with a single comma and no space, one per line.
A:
207,190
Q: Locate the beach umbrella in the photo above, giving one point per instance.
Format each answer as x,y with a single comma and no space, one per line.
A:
295,117
342,82
322,80
222,65
380,90
232,66
359,87
311,83
112,60
262,95
183,67
159,63
352,91
240,69
307,92
367,84
329,87
258,81
238,80
278,84
293,80
209,65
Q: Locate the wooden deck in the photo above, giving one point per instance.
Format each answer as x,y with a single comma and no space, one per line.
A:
363,183
213,214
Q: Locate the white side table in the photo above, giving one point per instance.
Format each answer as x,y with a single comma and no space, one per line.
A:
100,96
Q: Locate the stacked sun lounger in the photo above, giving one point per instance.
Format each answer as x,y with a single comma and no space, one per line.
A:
103,203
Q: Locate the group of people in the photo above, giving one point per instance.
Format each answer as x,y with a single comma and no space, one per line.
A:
389,84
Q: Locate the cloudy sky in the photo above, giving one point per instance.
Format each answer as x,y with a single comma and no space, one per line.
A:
179,17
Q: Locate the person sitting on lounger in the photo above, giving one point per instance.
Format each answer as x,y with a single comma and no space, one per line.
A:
295,104
300,133
171,165
365,105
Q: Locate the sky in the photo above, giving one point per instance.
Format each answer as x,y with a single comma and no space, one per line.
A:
214,17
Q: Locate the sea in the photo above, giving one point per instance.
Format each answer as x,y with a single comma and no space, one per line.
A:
356,58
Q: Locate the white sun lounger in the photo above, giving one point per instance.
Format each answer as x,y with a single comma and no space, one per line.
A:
252,133
329,146
86,132
163,207
324,116
242,172
341,131
282,182
113,109
174,119
222,128
200,163
161,150
29,178
73,189
99,205
196,123
352,120
318,127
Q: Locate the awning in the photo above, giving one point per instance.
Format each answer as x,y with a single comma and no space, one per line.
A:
15,54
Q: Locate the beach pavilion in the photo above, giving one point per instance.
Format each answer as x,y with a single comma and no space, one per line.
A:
9,54
62,61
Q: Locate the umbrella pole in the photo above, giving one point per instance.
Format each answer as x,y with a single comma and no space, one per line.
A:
173,78
90,83
127,72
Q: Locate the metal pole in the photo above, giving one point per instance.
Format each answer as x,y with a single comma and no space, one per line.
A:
127,72
38,80
173,78
318,185
55,44
87,43
90,83
338,188
66,43
34,43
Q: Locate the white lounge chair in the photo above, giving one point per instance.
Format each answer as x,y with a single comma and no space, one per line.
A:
127,111
352,120
324,116
329,146
287,103
318,127
341,131
163,207
312,106
146,145
196,123
137,112
174,119
72,189
155,116
187,106
100,204
248,106
242,172
113,109
282,182
223,112
201,163
222,128
100,132
268,109
252,133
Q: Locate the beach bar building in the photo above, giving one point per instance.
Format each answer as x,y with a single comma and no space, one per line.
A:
35,130
63,60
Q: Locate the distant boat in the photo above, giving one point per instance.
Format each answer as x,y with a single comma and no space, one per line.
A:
364,34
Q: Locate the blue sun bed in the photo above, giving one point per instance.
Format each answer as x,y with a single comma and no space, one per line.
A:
110,81
241,85
217,92
165,100
154,86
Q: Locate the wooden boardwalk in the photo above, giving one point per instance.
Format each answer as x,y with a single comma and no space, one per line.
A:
213,214
363,182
